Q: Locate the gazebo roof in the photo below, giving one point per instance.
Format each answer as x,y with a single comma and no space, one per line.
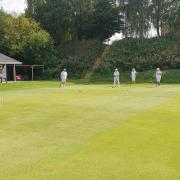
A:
8,60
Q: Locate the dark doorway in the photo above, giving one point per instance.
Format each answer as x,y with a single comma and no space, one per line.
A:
10,74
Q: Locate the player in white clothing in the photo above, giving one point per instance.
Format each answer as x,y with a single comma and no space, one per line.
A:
133,75
116,78
63,77
2,77
158,76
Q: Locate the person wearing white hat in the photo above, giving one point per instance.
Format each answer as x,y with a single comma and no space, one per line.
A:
133,75
116,78
158,76
63,77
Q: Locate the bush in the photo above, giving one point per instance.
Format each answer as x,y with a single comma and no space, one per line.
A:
79,56
143,54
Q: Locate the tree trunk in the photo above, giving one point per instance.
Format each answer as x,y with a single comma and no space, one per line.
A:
158,19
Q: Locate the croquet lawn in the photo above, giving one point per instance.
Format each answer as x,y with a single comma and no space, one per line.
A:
89,132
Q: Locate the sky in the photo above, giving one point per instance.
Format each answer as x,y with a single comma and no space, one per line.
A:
12,6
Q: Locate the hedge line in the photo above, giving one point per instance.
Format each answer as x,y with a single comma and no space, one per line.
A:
143,54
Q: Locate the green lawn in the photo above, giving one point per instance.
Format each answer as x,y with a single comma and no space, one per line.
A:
89,132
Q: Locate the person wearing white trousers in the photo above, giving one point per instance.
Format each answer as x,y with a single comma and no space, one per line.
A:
158,76
133,75
116,78
63,77
2,77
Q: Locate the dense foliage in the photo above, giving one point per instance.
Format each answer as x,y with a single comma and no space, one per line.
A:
76,19
24,39
77,57
141,15
143,54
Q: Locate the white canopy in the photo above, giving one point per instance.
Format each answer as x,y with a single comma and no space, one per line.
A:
8,60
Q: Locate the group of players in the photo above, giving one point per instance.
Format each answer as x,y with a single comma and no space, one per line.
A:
64,75
134,75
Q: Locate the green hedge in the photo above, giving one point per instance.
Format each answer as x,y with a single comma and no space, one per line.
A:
79,56
143,54
169,76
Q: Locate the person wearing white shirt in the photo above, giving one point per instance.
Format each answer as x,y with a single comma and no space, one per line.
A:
2,77
158,76
116,78
63,77
133,75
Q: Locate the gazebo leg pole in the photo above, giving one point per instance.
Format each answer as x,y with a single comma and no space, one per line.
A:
14,72
5,68
32,73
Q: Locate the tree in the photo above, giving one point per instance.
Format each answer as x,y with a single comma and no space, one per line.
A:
54,16
83,12
171,19
37,48
136,17
176,20
33,7
106,19
16,31
76,19
163,14
23,38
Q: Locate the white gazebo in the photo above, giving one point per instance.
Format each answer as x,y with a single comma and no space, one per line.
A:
5,62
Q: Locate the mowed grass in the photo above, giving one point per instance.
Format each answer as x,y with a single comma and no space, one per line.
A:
89,132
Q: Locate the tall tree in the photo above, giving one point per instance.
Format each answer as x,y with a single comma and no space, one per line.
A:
136,17
82,10
33,7
55,16
76,19
163,13
107,19
23,38
176,20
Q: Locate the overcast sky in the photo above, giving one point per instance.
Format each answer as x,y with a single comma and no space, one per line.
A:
10,6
